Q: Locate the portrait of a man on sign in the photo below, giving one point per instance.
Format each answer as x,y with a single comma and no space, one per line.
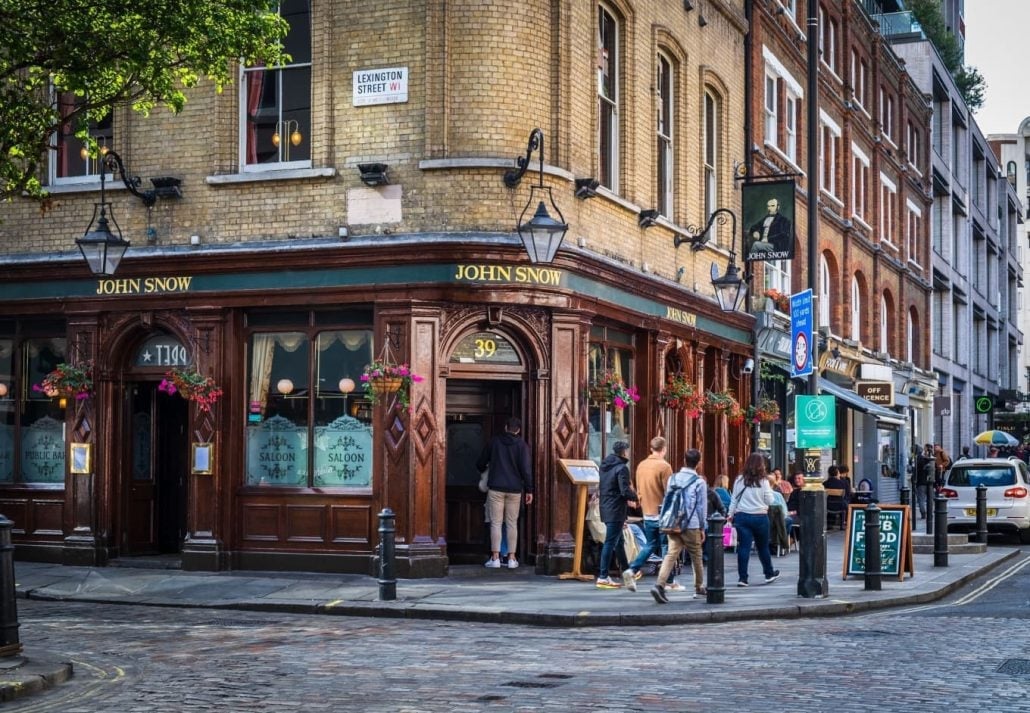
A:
768,217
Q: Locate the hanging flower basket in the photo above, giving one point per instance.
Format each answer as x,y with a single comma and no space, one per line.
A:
680,394
723,402
69,381
611,390
779,299
380,378
766,410
192,386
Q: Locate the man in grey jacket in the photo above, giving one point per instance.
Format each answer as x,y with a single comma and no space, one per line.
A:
695,506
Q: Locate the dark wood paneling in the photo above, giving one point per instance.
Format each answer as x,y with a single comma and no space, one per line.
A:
353,524
16,511
305,523
47,516
259,522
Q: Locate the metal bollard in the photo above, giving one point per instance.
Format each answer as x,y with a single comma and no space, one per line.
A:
905,495
929,506
716,560
872,548
812,582
981,513
387,579
9,643
940,535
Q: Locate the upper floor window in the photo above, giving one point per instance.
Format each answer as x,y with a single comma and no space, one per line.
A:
884,325
913,231
913,146
664,136
888,210
711,153
830,134
771,110
912,337
825,291
782,97
859,183
71,162
275,121
856,310
608,99
859,79
829,39
887,114
777,276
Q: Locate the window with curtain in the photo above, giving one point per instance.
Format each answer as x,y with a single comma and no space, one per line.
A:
611,351
69,162
275,102
32,425
308,421
666,164
608,65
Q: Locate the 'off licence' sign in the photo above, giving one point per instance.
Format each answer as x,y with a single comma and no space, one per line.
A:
380,86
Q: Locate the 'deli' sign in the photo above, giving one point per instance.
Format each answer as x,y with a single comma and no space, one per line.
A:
896,554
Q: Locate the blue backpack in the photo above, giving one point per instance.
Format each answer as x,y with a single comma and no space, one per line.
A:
673,517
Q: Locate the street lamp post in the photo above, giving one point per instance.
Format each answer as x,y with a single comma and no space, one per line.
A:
541,235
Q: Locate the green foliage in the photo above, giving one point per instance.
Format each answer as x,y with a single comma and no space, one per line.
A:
969,81
111,53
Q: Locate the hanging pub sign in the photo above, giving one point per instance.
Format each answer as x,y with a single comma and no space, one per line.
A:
767,210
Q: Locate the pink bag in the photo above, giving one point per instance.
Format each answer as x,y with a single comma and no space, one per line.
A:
729,536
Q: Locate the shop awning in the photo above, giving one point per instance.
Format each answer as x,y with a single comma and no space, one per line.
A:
858,403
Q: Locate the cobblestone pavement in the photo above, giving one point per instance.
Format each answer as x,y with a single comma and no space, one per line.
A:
937,657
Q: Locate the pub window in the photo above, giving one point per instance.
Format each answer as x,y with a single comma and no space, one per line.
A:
611,353
308,422
32,424
70,161
275,102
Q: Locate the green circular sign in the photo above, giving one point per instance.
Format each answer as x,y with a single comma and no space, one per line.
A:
984,404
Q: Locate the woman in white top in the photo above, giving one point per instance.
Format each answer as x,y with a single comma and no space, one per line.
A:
749,513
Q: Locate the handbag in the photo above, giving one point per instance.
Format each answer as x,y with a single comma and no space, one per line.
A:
483,478
729,536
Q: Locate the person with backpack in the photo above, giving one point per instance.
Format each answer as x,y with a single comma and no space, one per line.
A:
682,518
749,513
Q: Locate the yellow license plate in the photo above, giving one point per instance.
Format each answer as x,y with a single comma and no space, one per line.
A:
991,512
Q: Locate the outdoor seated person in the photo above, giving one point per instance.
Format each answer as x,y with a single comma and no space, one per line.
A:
835,503
844,473
722,489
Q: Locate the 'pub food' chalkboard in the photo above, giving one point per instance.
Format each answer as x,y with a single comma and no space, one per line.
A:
895,541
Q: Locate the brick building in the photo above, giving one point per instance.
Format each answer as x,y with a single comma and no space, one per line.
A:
349,207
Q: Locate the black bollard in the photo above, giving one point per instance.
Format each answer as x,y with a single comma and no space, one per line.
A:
905,496
872,548
387,579
716,560
981,513
812,580
9,643
940,535
929,506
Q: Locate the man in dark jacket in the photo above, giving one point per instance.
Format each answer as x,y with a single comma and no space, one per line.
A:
923,473
615,493
507,456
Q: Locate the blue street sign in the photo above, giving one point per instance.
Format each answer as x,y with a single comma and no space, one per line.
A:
801,334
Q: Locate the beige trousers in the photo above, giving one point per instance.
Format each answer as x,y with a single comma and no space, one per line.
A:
503,508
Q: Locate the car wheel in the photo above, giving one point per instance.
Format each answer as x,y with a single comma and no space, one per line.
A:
1024,536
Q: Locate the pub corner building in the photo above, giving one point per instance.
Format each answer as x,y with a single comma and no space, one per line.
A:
279,279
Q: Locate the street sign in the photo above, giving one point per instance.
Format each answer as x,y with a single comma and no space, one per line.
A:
984,404
816,421
801,334
878,392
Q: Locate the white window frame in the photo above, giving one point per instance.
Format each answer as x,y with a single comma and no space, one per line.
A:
887,115
883,326
829,32
859,79
913,225
860,180
913,147
282,72
609,104
790,126
910,338
777,276
772,120
856,310
824,292
783,82
888,210
710,151
91,165
829,138
664,135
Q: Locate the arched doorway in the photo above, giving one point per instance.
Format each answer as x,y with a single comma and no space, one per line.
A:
485,386
153,467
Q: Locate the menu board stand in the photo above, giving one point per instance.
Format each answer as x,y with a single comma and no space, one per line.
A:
583,474
896,551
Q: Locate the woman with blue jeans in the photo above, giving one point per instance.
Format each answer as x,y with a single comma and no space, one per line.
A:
749,513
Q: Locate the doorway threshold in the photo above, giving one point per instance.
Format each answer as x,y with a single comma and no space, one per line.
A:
171,561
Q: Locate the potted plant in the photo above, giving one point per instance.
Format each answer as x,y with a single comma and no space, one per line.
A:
779,299
68,380
380,378
192,386
679,393
722,402
765,410
612,390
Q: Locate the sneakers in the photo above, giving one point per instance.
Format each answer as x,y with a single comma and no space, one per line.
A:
629,580
638,575
773,577
742,583
700,592
607,583
675,587
658,592
493,564
513,563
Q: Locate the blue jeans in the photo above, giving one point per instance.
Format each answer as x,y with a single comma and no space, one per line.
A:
752,528
655,544
612,545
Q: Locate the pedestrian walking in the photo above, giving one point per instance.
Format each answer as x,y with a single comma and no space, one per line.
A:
616,494
509,484
650,482
749,513
691,536
922,475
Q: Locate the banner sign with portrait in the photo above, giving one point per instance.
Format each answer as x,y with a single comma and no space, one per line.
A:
767,209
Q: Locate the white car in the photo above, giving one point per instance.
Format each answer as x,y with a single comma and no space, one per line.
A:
1008,495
